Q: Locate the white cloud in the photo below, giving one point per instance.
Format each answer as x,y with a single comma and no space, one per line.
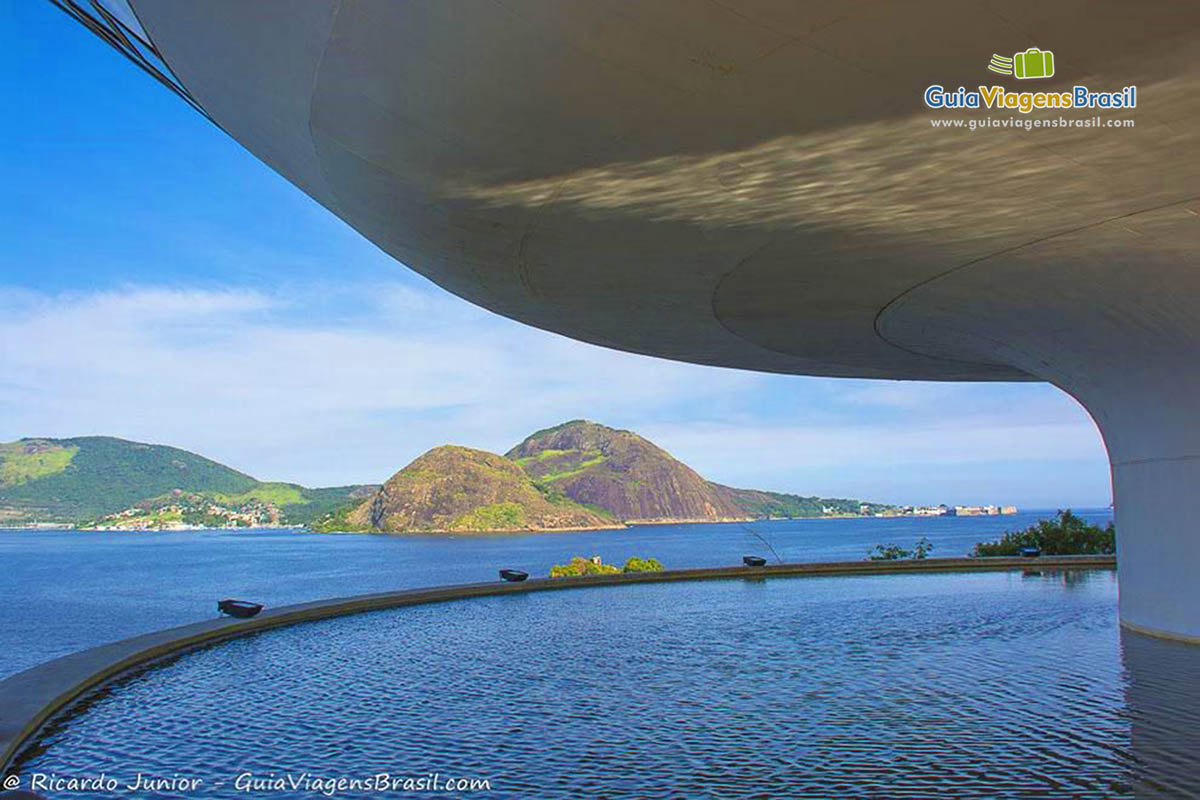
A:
333,384
262,382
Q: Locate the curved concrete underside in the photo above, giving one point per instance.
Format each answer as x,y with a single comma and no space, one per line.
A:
32,699
757,185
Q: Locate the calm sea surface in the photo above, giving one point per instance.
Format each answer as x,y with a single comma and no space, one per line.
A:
970,685
69,590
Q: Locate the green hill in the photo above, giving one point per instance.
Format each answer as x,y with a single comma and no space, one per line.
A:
456,489
772,505
634,479
620,472
84,479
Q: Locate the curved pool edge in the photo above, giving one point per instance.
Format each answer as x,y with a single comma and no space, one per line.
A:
33,698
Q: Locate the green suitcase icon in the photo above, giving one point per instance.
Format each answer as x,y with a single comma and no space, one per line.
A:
1033,63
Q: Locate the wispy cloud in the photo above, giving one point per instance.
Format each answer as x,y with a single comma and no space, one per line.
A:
329,384
263,381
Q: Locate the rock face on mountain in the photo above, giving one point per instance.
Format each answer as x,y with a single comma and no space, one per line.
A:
457,489
621,472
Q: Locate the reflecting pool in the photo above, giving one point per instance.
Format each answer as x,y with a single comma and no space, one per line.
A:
79,589
903,685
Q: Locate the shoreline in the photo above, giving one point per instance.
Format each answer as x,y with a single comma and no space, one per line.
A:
623,525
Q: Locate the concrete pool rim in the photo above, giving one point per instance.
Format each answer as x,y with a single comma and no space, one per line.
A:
32,699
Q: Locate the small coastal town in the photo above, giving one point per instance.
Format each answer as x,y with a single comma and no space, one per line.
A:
949,511
201,515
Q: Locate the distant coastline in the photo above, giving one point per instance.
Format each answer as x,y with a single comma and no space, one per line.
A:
575,476
624,525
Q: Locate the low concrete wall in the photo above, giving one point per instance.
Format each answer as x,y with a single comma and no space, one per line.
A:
30,699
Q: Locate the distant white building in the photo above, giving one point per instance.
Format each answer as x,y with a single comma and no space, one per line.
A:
980,511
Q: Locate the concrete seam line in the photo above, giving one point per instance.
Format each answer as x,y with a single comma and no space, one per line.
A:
194,636
1160,634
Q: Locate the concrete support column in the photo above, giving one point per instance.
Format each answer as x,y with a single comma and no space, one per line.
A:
1111,315
1148,409
1158,545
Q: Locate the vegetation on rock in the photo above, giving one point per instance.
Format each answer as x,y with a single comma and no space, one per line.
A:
621,472
636,480
339,520
1065,535
456,489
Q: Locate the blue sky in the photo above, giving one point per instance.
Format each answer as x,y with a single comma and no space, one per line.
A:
159,283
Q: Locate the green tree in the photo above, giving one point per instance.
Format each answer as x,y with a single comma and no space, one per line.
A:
891,552
924,548
894,552
582,566
1064,535
579,565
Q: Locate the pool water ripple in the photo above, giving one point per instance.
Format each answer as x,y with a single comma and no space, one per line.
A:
886,686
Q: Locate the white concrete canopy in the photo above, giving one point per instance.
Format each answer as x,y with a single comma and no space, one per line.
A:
757,184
